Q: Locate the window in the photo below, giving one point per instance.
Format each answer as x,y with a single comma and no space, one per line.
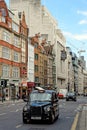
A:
15,27
54,96
36,79
36,45
6,52
40,97
3,11
36,56
15,72
23,57
23,43
6,36
45,63
15,56
6,71
3,19
23,51
36,68
16,41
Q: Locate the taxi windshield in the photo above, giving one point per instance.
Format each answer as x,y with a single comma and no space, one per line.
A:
40,97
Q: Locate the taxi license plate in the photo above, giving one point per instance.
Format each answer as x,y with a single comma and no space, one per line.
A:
36,118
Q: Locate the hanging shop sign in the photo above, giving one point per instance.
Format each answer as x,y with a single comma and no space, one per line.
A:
24,84
63,55
30,84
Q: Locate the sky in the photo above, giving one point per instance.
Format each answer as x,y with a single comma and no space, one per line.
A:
71,16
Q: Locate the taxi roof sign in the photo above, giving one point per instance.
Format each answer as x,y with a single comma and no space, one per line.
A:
40,89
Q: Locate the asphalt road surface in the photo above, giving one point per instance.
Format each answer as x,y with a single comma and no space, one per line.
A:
11,116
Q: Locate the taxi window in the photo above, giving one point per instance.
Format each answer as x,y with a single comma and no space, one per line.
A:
40,97
54,96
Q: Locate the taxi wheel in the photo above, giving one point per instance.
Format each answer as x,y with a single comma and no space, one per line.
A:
52,118
57,116
24,121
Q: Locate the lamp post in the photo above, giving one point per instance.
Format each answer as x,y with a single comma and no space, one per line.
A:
3,85
2,92
81,51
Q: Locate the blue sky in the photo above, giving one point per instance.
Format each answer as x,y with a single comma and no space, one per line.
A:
71,16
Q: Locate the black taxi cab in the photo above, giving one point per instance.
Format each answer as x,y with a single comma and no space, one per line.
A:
41,105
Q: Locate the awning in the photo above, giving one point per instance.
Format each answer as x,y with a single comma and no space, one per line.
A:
24,83
30,84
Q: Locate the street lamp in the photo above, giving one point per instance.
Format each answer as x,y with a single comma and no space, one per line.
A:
81,51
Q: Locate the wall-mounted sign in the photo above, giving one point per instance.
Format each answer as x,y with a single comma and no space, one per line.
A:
63,55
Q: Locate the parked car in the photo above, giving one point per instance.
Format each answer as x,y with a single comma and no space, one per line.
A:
71,96
41,105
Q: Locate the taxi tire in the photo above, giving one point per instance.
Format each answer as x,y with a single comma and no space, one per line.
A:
24,121
52,118
57,116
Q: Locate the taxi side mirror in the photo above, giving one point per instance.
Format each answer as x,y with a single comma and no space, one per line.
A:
25,99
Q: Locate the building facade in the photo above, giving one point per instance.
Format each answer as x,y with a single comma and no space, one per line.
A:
40,20
70,70
13,52
32,9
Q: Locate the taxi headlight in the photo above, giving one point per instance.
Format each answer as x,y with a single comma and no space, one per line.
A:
46,109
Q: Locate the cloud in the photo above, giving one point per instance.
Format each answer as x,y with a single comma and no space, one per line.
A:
82,12
68,34
75,36
81,37
83,22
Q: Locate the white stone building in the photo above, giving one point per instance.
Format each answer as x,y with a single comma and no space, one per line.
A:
32,9
70,70
39,19
80,80
30,63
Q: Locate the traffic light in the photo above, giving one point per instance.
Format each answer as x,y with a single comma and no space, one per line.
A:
1,82
4,83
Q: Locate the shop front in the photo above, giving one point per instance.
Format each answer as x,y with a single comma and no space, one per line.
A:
30,86
23,89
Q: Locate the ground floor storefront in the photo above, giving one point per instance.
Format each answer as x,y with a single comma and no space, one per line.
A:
16,91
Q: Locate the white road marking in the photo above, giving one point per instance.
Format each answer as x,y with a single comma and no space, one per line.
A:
2,114
12,111
20,125
17,110
68,117
78,108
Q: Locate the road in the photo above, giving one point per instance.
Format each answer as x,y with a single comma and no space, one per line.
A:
11,116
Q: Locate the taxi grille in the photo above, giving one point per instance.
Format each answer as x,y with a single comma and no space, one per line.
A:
35,111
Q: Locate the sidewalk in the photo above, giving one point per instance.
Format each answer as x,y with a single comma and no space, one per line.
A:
10,101
82,121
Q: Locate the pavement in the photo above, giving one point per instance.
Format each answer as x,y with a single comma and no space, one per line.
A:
10,102
80,120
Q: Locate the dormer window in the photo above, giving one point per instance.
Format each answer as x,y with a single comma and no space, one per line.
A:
3,11
3,19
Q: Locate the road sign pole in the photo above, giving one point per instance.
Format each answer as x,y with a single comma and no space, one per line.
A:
2,92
